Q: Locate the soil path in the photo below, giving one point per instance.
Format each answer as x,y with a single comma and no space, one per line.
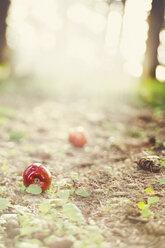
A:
95,189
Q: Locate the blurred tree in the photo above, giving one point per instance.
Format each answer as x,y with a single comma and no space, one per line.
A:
119,54
122,16
4,6
155,22
124,1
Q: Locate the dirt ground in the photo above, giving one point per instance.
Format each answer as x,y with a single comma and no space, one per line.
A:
94,198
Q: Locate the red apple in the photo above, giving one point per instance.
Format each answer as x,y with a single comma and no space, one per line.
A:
37,174
77,138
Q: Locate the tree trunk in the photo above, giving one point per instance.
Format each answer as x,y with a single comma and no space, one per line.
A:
4,6
124,1
155,21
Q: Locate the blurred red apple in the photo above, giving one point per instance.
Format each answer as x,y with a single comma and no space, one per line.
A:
77,137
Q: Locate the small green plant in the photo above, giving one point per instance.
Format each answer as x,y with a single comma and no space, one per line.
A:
17,135
74,176
149,191
5,168
145,208
82,192
162,181
108,170
44,208
34,189
3,120
2,190
73,212
64,194
27,230
4,203
152,200
107,206
152,91
50,191
27,224
134,133
162,163
7,112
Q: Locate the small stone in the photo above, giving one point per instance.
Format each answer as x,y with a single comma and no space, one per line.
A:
157,229
63,243
12,224
12,228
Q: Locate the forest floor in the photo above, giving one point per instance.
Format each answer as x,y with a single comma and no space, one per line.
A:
98,192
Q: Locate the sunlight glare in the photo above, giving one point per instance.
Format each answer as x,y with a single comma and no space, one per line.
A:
82,48
135,32
134,69
48,11
81,34
162,36
161,49
102,7
113,31
80,14
160,73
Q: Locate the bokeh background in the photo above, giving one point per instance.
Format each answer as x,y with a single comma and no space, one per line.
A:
84,42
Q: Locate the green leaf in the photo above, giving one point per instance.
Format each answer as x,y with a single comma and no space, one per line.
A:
149,191
4,203
162,181
17,135
25,218
26,230
107,207
162,163
82,192
134,133
50,190
146,212
153,200
22,186
156,216
56,201
125,199
73,212
3,120
44,208
2,189
141,205
34,189
74,176
108,170
4,166
72,189
7,112
64,194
